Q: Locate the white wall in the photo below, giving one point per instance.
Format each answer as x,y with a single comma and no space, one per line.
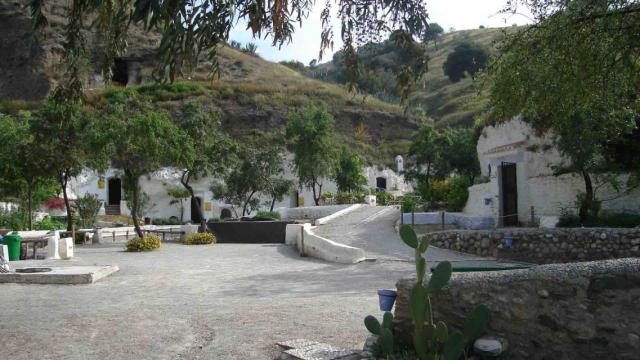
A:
534,156
155,186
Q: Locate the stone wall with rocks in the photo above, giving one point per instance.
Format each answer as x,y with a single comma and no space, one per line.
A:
587,310
543,246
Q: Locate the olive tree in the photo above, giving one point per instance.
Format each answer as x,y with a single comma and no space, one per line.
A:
575,74
311,136
140,140
23,168
214,152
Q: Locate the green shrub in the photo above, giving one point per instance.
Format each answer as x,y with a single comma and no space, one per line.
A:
49,224
268,214
457,193
409,203
14,219
344,197
611,220
167,221
619,220
203,238
88,207
383,198
146,243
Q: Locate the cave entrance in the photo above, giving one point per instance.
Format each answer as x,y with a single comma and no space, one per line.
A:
120,72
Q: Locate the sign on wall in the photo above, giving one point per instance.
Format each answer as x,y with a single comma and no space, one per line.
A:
101,183
208,206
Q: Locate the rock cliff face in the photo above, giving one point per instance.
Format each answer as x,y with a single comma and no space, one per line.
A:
22,70
29,59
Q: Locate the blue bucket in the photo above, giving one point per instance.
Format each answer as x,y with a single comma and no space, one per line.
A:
387,297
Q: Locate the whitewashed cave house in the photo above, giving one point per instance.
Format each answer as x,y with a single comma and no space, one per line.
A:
108,187
518,167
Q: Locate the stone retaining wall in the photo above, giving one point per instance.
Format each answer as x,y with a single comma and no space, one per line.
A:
543,246
585,310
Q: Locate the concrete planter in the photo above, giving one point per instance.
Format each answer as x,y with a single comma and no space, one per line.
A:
249,232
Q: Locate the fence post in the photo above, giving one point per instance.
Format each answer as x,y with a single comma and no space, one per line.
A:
533,216
413,214
442,219
302,240
113,236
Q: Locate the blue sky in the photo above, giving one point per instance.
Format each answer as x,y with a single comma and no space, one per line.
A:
458,14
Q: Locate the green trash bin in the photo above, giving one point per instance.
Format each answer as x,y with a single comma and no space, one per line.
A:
13,243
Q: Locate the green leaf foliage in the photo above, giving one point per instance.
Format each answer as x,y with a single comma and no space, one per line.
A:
372,324
409,236
476,322
440,277
311,136
454,346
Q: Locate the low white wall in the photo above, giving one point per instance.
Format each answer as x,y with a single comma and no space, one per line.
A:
309,212
120,234
337,214
321,248
463,221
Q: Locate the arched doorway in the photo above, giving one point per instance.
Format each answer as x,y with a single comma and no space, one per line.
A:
381,183
196,210
225,214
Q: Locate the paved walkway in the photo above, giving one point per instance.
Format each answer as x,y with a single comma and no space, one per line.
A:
227,301
372,228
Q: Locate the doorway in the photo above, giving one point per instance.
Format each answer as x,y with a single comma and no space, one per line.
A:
381,183
509,194
120,72
114,191
196,210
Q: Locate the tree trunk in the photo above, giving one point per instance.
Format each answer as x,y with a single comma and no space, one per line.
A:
273,203
184,180
30,205
133,182
587,204
246,203
316,199
64,179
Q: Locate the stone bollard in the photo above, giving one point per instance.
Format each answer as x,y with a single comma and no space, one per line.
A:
66,248
53,249
4,251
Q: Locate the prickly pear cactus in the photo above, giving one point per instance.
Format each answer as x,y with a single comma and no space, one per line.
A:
384,331
433,340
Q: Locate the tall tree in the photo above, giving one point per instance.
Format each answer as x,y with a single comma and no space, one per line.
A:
214,152
575,73
433,33
467,58
23,169
140,140
255,174
348,173
59,129
312,138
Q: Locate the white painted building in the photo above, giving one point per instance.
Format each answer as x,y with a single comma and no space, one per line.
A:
108,187
519,166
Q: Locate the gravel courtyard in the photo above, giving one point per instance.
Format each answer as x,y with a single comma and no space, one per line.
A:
227,301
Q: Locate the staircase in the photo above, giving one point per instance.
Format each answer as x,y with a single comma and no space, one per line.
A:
112,209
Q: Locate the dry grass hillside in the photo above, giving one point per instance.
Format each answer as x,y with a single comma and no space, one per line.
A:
254,95
448,103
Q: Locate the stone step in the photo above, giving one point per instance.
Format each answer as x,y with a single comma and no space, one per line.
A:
304,349
112,209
